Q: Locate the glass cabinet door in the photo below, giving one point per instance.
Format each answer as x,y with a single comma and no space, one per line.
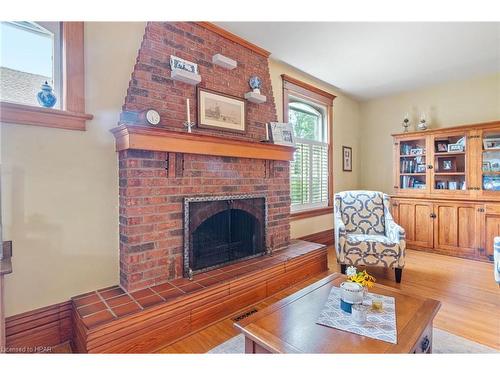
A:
412,173
449,172
490,163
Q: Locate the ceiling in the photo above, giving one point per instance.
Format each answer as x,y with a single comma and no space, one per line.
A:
373,59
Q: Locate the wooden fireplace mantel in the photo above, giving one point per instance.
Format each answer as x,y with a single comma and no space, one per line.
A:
155,139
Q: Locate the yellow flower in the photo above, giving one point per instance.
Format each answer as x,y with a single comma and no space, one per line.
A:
363,278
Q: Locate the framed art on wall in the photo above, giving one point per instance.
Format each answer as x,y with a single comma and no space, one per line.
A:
221,111
347,159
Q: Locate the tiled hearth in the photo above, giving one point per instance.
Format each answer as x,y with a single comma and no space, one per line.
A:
113,320
109,303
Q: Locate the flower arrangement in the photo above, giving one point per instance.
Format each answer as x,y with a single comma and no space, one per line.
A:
362,278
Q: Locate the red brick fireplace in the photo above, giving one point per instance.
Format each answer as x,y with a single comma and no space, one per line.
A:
157,170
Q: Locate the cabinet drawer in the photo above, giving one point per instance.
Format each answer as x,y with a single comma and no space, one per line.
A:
492,209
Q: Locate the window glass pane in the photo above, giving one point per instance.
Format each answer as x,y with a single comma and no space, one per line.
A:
26,61
308,121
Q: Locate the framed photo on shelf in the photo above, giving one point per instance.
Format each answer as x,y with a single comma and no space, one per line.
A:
491,143
448,165
455,147
442,146
221,111
421,168
347,159
281,133
178,63
417,151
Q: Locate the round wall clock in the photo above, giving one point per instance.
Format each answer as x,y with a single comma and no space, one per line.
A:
152,117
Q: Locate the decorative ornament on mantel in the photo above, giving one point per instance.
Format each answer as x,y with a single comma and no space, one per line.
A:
255,96
184,71
224,61
150,116
46,97
423,124
406,122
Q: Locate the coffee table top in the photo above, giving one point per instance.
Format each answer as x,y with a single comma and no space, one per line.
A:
289,325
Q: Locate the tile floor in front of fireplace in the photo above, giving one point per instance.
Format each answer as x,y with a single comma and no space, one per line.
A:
104,305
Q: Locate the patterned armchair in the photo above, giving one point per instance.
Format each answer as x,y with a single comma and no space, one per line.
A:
365,232
496,259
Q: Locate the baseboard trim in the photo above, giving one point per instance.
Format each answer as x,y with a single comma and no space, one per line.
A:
39,330
325,237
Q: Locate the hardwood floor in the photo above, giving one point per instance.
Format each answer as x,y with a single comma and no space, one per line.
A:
469,295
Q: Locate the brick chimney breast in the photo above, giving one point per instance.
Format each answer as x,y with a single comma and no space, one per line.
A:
154,184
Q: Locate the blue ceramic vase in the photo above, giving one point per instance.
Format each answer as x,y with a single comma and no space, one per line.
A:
46,97
255,83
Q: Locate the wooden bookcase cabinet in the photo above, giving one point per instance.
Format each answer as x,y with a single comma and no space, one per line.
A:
444,200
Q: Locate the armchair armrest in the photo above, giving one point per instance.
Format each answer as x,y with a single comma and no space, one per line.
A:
339,234
393,231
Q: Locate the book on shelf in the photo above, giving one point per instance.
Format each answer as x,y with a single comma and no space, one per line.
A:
412,166
410,182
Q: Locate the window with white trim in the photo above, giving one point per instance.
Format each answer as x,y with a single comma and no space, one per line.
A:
309,172
30,55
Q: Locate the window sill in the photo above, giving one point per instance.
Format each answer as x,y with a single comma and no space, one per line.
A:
299,215
38,116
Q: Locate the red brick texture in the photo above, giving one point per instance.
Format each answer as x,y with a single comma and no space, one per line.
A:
152,87
153,184
151,207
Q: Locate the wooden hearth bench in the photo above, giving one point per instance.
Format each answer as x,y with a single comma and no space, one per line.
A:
111,320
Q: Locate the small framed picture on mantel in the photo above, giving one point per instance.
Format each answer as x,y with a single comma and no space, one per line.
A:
280,133
347,159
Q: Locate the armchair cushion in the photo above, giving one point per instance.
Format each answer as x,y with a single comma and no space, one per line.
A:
372,250
356,238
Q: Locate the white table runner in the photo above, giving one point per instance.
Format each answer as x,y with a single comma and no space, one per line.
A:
379,325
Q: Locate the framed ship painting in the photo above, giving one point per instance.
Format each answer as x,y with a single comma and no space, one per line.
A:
221,111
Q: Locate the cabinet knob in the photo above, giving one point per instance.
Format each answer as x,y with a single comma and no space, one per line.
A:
433,215
430,166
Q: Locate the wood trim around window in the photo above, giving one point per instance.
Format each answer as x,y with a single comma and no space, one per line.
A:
298,88
72,116
299,215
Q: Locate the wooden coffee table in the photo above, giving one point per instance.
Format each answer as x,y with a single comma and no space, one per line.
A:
289,325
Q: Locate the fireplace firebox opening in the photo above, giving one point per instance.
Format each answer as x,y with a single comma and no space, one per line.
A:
222,230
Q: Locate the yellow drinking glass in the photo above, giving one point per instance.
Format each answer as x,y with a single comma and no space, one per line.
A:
377,304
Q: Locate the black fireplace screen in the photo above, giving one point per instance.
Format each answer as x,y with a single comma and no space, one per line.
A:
221,231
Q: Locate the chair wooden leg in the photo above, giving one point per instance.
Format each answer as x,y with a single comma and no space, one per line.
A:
343,268
398,272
